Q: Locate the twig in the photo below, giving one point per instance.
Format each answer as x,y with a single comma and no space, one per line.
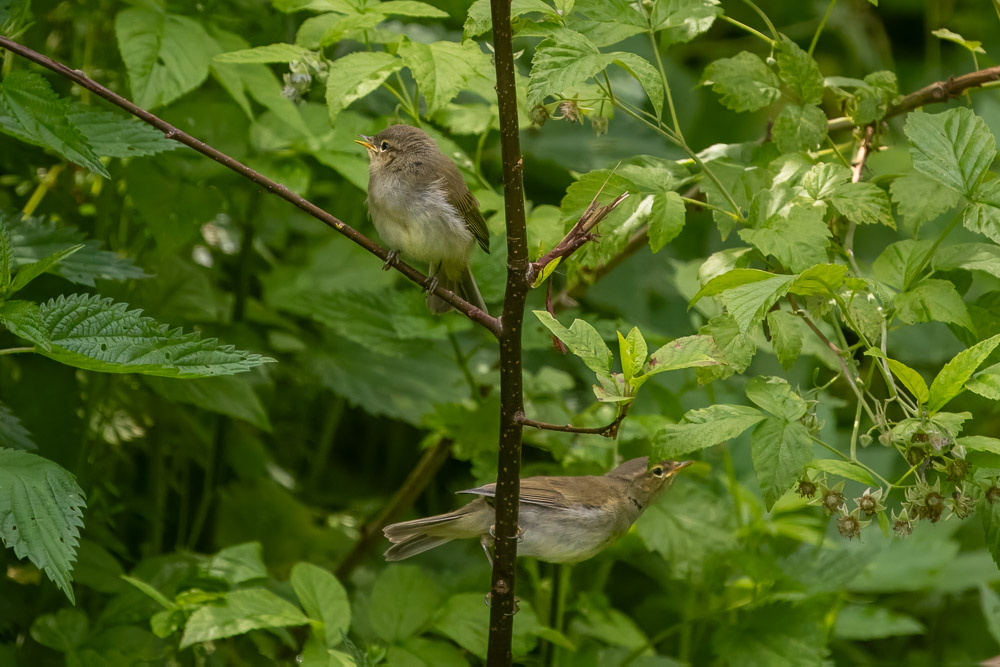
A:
415,483
170,132
608,431
508,485
859,166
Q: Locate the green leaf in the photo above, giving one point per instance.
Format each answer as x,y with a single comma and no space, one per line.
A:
324,599
986,383
110,135
62,631
799,72
442,69
686,352
954,147
32,112
35,239
983,213
666,219
270,53
633,353
786,336
933,300
96,334
403,601
562,61
29,272
409,8
744,82
797,236
863,204
465,620
990,603
920,199
973,46
899,263
41,513
420,652
6,254
990,513
648,77
951,379
773,634
979,443
737,348
704,428
12,434
748,304
582,339
238,564
847,469
355,75
799,128
480,19
224,395
239,612
680,21
983,257
775,396
865,622
730,279
165,55
910,378
780,449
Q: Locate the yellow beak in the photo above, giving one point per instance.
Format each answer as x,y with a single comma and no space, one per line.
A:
365,141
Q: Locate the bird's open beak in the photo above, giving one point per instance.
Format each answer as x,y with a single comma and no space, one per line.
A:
680,466
366,142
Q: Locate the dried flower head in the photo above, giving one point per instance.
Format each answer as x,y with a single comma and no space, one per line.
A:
849,525
539,115
961,504
830,498
807,488
870,503
902,525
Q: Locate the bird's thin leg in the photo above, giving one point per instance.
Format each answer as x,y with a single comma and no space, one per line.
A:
519,537
485,542
390,260
432,284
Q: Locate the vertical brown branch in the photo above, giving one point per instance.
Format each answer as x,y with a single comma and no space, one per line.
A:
511,400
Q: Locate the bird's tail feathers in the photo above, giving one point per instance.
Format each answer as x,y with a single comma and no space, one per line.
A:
465,287
410,538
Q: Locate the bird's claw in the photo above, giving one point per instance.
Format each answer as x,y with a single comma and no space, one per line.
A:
519,537
488,601
432,284
390,260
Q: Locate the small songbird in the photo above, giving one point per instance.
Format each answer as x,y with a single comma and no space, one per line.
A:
421,206
561,519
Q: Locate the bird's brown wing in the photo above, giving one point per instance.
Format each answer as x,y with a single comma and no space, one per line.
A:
467,204
564,492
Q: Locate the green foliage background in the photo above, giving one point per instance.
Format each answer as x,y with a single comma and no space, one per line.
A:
168,496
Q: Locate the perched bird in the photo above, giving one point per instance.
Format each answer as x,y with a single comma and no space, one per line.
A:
421,206
561,519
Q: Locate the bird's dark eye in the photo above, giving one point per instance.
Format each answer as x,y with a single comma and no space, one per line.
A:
657,471
385,145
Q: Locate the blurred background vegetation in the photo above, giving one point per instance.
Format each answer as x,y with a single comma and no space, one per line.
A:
298,456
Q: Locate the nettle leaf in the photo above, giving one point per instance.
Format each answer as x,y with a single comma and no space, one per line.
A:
775,396
954,147
238,612
355,75
786,336
920,199
224,395
582,339
983,213
933,300
165,55
682,20
442,69
269,53
796,236
36,241
704,428
951,379
781,449
41,513
32,112
799,128
110,135
324,599
12,434
799,72
744,82
666,219
97,334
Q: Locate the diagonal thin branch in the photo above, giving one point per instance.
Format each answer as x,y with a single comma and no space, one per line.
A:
607,431
492,324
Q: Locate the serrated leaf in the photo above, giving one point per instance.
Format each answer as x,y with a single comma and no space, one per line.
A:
41,513
730,279
979,443
799,128
582,339
35,239
780,449
910,378
686,352
986,383
324,599
29,272
680,21
773,634
786,336
821,279
633,353
704,428
737,348
775,396
647,76
866,622
748,304
355,75
990,516
666,219
238,564
744,82
983,257
898,264
973,46
441,69
796,236
238,612
846,469
403,600
562,61
111,135
920,199
97,334
799,72
954,147
863,204
479,19
933,300
165,55
409,8
224,395
983,213
32,112
12,434
952,377
269,53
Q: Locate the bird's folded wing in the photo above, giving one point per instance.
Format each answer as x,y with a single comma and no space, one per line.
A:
551,491
467,204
